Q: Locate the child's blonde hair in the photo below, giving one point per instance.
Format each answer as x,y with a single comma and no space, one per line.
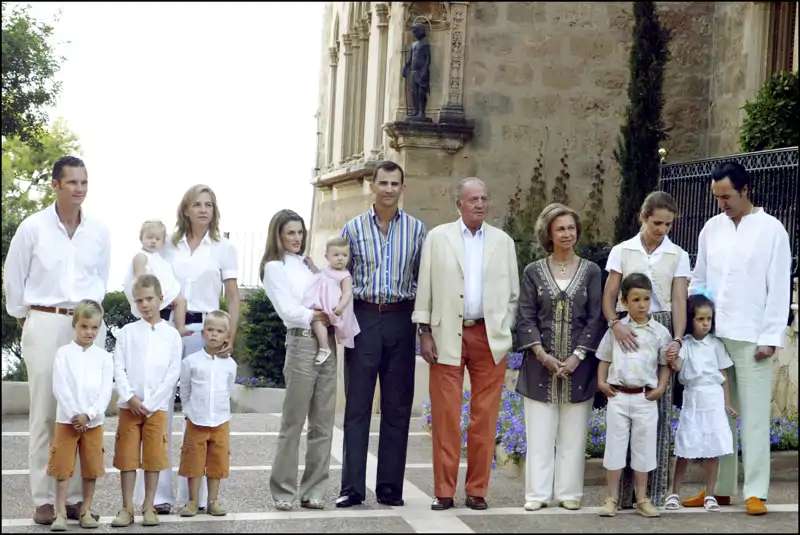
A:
153,224
86,309
337,241
147,281
220,315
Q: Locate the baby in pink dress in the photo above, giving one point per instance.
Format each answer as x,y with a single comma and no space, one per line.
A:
332,292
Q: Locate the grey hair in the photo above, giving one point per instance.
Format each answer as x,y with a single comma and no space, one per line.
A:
467,181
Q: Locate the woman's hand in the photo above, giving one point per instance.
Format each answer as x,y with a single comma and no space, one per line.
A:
227,347
321,316
569,366
731,411
654,394
625,336
673,349
311,265
551,363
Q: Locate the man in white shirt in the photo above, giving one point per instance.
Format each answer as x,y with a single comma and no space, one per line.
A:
465,307
743,265
57,257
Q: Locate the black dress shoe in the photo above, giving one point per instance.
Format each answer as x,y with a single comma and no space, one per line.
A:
441,504
476,503
391,501
348,501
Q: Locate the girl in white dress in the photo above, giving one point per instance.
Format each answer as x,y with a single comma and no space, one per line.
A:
703,431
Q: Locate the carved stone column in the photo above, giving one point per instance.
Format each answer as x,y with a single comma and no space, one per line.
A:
374,101
756,37
332,83
453,104
346,108
355,92
362,93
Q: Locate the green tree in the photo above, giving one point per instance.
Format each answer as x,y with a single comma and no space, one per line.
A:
117,311
26,189
29,66
643,130
769,124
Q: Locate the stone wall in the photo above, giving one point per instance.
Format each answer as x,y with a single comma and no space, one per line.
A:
785,374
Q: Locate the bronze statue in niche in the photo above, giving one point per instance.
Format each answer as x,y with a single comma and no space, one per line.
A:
417,71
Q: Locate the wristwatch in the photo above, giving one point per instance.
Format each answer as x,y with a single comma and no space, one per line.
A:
423,329
613,322
679,340
580,353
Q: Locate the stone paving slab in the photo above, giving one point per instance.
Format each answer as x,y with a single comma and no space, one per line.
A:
246,495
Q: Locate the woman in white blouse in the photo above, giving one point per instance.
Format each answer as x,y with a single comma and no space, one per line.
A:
667,266
204,262
310,387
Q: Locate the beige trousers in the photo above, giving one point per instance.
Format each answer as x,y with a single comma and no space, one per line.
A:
42,335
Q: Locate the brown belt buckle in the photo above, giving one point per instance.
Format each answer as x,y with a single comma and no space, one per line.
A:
469,323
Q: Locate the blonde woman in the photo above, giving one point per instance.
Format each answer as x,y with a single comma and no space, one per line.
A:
667,266
205,263
310,387
559,323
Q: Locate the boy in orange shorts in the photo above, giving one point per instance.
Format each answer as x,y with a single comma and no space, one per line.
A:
82,395
147,363
207,384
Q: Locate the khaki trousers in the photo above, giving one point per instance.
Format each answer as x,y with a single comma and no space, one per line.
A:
446,391
42,335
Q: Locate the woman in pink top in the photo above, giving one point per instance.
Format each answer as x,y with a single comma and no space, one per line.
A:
332,293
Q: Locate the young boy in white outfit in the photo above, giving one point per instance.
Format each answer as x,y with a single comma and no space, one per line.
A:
148,260
208,379
633,382
147,364
83,379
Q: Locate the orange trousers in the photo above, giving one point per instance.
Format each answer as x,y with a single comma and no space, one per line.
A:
446,391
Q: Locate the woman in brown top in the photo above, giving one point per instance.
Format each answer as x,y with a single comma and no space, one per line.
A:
559,323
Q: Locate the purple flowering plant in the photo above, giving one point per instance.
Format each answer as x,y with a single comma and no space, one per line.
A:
256,382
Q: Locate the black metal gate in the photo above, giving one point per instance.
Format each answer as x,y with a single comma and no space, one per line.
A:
774,187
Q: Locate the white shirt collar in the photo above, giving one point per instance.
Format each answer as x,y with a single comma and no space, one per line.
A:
628,321
466,231
635,244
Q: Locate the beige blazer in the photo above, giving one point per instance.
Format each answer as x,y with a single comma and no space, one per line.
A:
441,284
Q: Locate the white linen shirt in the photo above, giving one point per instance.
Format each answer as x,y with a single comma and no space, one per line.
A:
285,282
702,361
147,363
45,267
640,367
162,270
202,272
747,271
614,263
473,276
207,385
83,380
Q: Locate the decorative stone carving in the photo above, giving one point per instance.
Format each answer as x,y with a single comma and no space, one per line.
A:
416,71
435,13
453,108
347,41
382,11
449,137
333,52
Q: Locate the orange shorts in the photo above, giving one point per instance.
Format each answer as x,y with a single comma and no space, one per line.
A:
67,442
141,442
205,451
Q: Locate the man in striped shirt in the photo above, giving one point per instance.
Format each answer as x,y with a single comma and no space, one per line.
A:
385,245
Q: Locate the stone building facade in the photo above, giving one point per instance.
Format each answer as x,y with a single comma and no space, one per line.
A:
510,77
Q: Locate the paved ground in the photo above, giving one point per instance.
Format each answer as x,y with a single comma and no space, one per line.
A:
246,496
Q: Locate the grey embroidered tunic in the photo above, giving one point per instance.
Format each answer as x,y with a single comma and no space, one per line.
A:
560,320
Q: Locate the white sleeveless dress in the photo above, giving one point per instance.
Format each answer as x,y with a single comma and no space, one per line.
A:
156,265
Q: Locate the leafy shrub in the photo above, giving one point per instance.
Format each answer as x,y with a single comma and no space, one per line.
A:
769,123
264,338
117,314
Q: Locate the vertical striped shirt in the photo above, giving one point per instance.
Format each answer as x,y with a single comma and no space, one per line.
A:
384,266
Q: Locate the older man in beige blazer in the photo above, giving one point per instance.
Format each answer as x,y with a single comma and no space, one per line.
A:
465,307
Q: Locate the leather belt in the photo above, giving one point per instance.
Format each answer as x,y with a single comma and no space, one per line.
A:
53,310
303,333
406,305
472,323
631,389
194,317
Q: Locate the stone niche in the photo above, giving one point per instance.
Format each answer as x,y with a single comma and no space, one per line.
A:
450,129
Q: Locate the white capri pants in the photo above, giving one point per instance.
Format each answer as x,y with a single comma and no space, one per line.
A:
631,419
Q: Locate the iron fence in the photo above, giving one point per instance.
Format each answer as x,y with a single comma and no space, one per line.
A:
774,187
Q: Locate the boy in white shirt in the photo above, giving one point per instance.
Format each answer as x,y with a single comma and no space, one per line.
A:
633,382
82,395
207,384
147,364
149,260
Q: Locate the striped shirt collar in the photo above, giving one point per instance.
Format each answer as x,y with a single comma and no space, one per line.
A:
374,214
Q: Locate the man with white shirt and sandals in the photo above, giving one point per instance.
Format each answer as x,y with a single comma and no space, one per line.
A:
57,258
743,265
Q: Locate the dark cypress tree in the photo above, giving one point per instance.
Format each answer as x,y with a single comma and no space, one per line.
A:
643,130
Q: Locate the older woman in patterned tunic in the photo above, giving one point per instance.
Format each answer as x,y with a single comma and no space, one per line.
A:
559,323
